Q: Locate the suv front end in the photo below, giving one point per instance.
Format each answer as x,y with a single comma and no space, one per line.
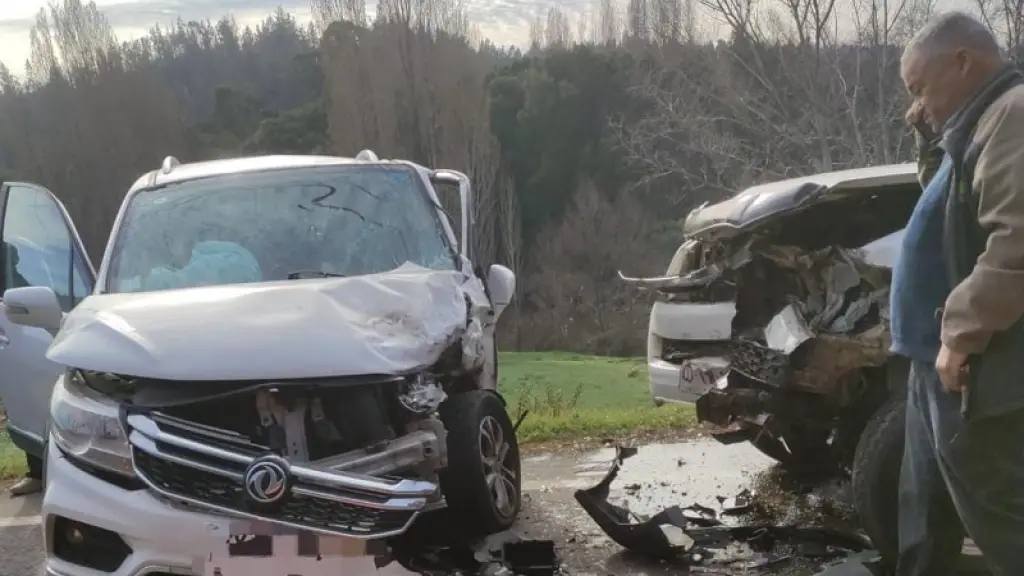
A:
689,333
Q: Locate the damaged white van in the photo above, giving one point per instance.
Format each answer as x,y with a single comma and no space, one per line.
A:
298,341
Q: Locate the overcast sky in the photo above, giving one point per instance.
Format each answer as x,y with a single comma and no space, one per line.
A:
503,21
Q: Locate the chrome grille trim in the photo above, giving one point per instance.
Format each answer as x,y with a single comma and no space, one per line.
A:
153,436
145,426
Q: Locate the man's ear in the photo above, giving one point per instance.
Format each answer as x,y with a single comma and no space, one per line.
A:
964,60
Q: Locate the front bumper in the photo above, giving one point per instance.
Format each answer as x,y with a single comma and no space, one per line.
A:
699,330
168,458
164,539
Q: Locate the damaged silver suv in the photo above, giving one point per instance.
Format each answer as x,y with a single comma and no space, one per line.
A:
773,319
297,340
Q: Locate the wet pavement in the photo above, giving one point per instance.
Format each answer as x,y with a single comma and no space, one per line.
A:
657,477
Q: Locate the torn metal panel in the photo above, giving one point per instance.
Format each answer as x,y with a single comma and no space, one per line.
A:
662,536
699,278
787,331
696,279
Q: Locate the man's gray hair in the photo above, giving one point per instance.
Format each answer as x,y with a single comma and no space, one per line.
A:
951,31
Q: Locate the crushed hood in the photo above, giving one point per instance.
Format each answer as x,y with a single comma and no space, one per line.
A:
755,205
386,323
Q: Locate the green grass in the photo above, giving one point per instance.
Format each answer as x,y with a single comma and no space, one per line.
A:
572,396
567,396
12,460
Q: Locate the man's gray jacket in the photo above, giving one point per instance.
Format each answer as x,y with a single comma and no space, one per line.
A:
984,244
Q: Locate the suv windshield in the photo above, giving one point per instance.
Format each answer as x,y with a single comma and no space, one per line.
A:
264,226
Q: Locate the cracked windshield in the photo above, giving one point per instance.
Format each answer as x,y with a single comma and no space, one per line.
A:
343,221
511,287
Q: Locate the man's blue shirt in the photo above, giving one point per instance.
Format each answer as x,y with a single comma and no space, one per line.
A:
920,280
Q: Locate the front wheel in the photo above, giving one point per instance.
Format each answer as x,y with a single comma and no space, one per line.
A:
876,477
482,483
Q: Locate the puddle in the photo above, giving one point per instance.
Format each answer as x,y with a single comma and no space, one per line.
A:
658,476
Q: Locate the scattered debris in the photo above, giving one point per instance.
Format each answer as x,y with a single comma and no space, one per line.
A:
700,515
530,557
437,547
695,536
660,536
738,504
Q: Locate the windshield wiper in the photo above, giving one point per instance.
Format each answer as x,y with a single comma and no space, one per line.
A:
303,274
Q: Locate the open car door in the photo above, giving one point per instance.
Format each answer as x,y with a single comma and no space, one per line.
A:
40,247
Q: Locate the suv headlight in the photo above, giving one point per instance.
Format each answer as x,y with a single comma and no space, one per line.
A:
86,426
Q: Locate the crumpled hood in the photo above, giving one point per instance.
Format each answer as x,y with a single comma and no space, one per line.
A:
376,324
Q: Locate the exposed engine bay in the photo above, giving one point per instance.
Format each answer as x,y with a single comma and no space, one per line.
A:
374,429
359,456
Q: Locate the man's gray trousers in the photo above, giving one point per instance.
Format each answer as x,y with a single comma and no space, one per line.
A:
958,476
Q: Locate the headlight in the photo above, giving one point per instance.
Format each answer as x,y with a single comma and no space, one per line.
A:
421,394
85,425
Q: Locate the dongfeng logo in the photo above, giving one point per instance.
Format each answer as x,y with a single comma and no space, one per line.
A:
266,480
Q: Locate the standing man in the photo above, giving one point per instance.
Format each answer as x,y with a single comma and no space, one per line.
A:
957,303
32,482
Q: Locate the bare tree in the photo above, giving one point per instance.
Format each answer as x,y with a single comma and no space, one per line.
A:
42,63
609,22
876,132
557,33
1006,18
410,88
327,11
573,295
638,24
537,25
584,27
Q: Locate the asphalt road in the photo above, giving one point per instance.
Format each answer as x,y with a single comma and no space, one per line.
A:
20,536
659,476
688,472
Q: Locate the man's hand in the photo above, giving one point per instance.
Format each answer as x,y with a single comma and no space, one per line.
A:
917,118
952,368
915,114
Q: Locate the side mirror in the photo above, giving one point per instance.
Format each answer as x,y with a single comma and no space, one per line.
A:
35,306
501,284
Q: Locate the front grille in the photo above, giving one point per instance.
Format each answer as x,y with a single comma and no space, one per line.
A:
312,513
174,460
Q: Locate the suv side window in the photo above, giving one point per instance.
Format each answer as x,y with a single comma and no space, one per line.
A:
38,249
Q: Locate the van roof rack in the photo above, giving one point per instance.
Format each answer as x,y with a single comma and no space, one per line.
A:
169,164
367,156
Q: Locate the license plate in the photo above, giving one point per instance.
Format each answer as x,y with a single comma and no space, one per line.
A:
294,554
699,375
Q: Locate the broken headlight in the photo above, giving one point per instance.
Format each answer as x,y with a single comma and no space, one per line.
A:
421,394
86,425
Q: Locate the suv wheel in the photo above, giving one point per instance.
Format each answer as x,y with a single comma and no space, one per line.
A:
482,482
876,476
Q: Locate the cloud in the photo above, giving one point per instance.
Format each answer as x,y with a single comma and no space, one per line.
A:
503,21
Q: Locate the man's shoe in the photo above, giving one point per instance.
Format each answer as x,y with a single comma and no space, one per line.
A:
27,486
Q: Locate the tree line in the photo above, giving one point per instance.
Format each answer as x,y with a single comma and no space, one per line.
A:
586,148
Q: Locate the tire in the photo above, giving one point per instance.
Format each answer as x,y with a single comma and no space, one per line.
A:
876,477
473,419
